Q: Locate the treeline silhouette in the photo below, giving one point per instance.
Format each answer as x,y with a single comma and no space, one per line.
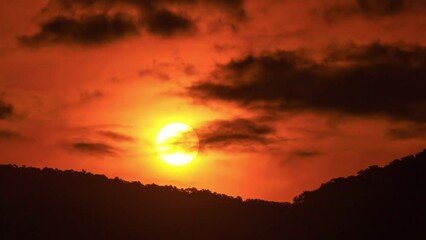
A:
377,203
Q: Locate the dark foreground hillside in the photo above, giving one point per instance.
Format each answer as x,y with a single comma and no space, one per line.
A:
378,203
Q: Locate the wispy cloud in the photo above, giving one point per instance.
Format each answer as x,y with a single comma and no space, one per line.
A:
238,132
116,136
9,135
94,148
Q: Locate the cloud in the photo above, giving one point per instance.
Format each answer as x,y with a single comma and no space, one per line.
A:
382,7
86,30
8,135
305,154
368,80
87,96
157,73
236,132
116,136
189,70
6,110
231,6
234,7
371,9
223,48
94,148
166,24
411,131
183,142
97,22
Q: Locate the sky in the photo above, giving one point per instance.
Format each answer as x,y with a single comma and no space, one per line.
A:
283,94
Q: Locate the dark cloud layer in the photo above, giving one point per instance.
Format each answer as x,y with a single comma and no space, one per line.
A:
6,110
235,132
383,7
375,79
90,22
232,6
94,148
86,30
371,9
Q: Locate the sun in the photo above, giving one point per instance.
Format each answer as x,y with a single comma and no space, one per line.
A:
177,144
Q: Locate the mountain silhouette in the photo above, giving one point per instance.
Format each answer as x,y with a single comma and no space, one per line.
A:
377,203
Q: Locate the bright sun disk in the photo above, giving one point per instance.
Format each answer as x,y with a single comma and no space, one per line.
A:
177,144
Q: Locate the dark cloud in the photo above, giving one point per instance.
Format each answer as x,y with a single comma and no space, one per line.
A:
235,7
232,6
94,148
371,9
305,154
8,135
166,24
6,110
95,22
189,70
370,80
116,136
383,7
236,132
86,30
411,131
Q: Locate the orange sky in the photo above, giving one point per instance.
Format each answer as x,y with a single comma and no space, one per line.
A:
284,95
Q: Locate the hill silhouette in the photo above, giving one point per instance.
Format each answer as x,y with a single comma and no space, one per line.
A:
377,203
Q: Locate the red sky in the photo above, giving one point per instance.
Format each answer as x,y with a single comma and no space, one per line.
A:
284,95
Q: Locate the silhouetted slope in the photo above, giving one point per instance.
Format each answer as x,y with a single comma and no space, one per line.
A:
378,203
53,204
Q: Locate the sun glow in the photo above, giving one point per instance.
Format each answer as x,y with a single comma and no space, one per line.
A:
177,144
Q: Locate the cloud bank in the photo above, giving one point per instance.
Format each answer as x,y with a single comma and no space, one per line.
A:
361,80
97,22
